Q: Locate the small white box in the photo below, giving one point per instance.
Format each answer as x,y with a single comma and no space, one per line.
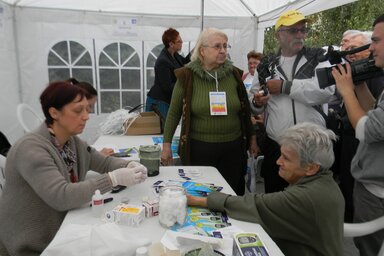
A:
151,207
126,214
248,244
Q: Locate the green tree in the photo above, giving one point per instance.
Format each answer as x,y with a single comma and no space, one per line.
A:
327,27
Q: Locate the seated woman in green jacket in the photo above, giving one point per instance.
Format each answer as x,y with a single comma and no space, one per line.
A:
307,217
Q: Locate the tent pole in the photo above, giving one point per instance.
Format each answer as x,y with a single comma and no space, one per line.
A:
202,15
15,38
248,8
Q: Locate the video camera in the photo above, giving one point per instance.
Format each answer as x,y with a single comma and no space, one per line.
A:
266,71
362,70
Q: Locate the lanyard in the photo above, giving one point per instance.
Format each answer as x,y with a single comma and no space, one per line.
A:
214,77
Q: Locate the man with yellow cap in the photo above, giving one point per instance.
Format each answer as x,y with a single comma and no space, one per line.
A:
287,91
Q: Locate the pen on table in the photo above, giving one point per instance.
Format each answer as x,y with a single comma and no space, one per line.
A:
106,200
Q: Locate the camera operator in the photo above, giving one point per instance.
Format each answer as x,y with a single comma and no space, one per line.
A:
367,164
293,91
367,92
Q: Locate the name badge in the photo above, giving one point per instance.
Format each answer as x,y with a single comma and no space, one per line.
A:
247,86
218,103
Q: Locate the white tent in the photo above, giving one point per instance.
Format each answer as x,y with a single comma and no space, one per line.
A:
96,31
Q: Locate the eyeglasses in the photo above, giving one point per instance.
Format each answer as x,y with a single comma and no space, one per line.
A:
218,47
294,31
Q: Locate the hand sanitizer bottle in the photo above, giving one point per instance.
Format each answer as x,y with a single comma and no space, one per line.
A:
97,204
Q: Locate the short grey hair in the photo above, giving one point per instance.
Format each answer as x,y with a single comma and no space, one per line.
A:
312,142
351,32
203,41
366,36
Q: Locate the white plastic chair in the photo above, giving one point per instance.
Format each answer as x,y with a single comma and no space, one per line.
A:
2,174
27,117
255,165
365,228
257,168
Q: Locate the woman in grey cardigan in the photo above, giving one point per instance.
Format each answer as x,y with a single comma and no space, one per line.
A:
46,169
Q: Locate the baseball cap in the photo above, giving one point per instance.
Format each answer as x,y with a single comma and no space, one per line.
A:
289,18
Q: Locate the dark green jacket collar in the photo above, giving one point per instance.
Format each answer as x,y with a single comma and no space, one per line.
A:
223,71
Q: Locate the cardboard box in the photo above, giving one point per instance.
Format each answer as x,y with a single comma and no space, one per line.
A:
248,244
126,214
145,123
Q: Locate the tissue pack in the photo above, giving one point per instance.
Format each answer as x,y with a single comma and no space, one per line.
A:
126,214
248,244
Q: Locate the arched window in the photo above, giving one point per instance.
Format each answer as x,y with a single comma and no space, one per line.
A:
119,77
150,68
70,59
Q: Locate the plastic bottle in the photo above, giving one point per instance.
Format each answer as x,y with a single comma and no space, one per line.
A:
97,204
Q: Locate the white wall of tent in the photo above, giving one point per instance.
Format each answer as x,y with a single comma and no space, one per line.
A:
113,44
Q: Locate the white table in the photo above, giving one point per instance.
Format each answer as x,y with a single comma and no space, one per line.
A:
150,227
128,141
123,141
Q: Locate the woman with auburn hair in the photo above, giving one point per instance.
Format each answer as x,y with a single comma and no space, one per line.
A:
91,95
168,60
45,173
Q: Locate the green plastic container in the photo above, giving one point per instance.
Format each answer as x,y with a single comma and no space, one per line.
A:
150,157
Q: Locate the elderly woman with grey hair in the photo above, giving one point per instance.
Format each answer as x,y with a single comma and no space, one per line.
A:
307,217
211,99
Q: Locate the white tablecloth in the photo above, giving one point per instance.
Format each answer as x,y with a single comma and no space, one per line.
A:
131,141
150,227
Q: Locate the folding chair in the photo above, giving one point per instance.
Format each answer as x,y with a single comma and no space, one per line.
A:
27,117
365,228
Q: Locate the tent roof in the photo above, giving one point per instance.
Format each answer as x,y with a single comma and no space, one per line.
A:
265,10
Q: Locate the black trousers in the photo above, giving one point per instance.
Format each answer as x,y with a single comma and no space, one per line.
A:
269,169
349,146
229,158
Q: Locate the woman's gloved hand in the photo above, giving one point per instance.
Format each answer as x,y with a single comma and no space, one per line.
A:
133,164
128,176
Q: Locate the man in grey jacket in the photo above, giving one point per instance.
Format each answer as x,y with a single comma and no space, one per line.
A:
307,217
367,165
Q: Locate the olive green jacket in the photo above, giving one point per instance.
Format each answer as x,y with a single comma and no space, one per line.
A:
186,75
305,219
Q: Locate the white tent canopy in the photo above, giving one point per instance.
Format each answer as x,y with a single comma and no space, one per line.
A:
30,30
184,8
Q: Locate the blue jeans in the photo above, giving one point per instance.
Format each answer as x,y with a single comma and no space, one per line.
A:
162,106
